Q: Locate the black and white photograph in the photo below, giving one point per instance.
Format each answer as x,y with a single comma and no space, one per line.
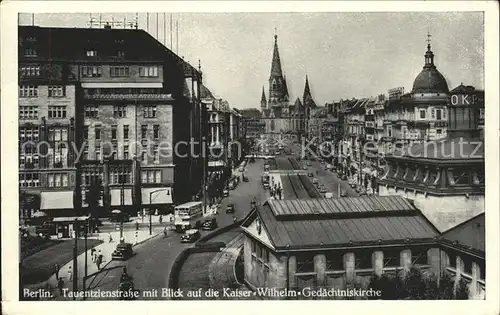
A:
251,156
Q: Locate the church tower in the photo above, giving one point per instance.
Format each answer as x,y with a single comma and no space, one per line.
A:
277,86
263,101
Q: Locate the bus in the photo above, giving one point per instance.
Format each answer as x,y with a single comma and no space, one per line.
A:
188,215
265,180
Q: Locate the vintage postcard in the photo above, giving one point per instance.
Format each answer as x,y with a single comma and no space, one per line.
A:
268,154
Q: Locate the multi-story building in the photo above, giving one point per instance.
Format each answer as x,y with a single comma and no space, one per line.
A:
48,95
127,88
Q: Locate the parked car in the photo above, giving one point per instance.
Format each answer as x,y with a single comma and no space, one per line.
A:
322,190
225,193
123,251
343,193
304,167
230,186
245,179
190,236
328,195
241,169
308,163
230,208
209,224
310,174
315,181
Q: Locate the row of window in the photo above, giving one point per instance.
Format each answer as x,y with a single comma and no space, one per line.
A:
53,180
119,111
151,177
466,265
32,91
31,112
260,251
114,132
118,71
363,260
437,114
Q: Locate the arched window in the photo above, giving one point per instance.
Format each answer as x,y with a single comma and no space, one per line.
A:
272,125
274,84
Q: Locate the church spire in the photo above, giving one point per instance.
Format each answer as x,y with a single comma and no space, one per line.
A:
276,63
263,101
307,99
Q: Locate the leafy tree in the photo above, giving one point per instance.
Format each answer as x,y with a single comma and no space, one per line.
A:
416,286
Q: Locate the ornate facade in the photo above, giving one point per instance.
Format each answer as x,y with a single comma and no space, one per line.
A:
279,115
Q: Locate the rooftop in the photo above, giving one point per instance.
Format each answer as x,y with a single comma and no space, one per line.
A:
310,223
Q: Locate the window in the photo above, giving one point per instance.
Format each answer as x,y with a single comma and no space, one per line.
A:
91,53
452,259
28,134
392,258
439,114
30,71
28,112
120,54
143,156
57,91
305,262
422,114
91,111
125,152
467,262
98,152
334,261
156,132
144,131
113,132
57,112
29,180
148,71
115,150
438,131
254,246
98,132
433,113
86,152
30,52
363,260
151,177
419,257
156,154
158,176
118,71
85,132
149,111
91,71
125,131
28,91
120,111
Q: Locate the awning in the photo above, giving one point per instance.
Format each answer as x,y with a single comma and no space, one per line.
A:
52,200
70,219
116,196
215,164
159,195
123,85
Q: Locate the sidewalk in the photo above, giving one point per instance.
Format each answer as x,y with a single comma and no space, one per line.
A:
106,249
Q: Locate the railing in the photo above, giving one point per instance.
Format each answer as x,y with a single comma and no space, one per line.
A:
128,96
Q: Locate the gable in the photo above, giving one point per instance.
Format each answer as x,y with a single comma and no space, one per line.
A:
257,230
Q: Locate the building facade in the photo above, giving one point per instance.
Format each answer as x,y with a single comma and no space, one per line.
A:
118,113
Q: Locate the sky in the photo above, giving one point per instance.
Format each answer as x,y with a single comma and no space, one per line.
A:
345,55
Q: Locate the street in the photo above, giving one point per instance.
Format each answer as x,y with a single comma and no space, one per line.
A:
150,266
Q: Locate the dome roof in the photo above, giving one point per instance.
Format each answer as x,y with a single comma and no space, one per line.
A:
430,80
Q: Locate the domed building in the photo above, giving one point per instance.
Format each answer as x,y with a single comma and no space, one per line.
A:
441,167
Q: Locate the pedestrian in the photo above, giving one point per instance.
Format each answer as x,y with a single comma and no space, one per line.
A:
56,269
137,226
60,285
110,238
161,219
94,255
70,274
99,260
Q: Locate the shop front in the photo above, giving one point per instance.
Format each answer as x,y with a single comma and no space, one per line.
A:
157,200
57,203
68,227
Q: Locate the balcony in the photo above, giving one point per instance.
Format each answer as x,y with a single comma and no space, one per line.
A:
370,124
137,97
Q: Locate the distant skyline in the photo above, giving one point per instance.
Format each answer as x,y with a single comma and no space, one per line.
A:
345,55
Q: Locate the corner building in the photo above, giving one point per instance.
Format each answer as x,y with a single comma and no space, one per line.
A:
132,97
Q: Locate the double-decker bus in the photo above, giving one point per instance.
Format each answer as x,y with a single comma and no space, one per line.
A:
188,215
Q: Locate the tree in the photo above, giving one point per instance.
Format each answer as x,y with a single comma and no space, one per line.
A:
416,286
93,195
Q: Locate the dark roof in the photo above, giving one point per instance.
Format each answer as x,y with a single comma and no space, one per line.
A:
250,113
343,221
276,62
71,44
430,80
205,92
468,235
462,89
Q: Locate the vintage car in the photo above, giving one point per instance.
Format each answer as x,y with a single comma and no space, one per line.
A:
343,193
123,251
225,193
190,236
230,208
209,224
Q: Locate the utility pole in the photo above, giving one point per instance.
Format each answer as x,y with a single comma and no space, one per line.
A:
75,256
86,249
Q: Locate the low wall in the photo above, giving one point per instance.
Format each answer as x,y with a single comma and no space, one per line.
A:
173,280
